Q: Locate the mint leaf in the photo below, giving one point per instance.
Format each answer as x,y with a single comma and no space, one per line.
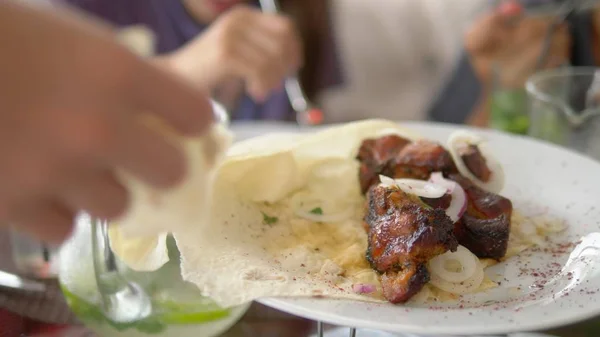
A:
317,211
269,220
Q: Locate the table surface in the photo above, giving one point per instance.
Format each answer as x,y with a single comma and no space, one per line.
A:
266,322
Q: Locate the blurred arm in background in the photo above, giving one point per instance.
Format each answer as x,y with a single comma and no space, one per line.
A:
211,47
504,49
509,41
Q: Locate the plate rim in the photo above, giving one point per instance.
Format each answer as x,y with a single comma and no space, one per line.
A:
281,303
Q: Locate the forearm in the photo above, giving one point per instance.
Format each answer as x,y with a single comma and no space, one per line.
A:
480,114
459,99
190,69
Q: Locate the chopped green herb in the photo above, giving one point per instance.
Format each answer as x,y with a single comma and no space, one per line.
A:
269,220
317,210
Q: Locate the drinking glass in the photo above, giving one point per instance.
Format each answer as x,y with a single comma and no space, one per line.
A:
176,307
564,108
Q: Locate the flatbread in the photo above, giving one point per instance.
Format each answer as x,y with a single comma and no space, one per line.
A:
242,254
153,211
147,253
139,237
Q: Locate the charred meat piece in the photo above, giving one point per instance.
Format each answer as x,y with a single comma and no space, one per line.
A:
379,150
373,155
442,202
400,286
418,160
403,234
475,162
484,229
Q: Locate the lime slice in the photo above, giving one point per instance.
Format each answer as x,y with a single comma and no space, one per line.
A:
201,310
168,312
192,317
83,309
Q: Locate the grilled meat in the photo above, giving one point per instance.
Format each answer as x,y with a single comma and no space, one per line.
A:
374,154
400,286
443,202
485,227
475,162
418,160
404,234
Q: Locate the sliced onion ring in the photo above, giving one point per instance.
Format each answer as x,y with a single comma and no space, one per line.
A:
458,205
420,188
458,138
467,286
466,259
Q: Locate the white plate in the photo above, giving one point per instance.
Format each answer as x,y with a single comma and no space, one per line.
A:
540,178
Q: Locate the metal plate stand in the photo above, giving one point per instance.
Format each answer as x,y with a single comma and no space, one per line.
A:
320,333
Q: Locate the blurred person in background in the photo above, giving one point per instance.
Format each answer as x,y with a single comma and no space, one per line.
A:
357,59
501,51
410,64
231,49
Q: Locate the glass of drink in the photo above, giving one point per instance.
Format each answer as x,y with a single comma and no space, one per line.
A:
171,305
564,108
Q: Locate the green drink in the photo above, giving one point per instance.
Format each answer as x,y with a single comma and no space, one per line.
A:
508,109
179,319
178,308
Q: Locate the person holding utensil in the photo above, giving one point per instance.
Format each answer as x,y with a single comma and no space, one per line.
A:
508,44
390,71
230,48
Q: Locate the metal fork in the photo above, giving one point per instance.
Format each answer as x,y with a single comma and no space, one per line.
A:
306,113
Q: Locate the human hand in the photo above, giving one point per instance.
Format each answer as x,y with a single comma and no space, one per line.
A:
244,43
71,106
514,43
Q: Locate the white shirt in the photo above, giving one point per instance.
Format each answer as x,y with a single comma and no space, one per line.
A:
395,55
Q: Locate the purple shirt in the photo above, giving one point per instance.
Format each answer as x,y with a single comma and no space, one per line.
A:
174,27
